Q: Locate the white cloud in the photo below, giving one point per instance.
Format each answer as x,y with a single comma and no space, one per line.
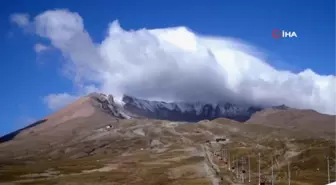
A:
57,101
178,64
21,19
40,48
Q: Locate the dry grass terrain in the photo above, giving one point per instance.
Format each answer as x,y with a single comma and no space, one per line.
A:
89,146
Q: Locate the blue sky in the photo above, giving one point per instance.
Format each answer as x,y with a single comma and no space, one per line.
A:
26,78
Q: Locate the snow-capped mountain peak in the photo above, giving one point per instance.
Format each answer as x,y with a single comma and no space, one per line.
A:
187,111
130,107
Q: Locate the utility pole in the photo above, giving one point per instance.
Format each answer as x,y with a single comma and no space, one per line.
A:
242,162
249,169
272,172
289,174
222,153
328,169
229,162
225,154
233,164
237,163
259,168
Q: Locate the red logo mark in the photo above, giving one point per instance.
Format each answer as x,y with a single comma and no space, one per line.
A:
276,33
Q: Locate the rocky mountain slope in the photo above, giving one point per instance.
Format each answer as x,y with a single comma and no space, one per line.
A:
96,141
188,111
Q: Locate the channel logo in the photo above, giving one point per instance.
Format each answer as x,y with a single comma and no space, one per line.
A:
277,34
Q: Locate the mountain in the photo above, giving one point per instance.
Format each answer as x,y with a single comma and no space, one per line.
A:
95,140
295,119
83,115
187,111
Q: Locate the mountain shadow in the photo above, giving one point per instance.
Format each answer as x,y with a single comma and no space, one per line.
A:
12,135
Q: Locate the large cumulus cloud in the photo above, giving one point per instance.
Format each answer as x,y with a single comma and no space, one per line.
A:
177,64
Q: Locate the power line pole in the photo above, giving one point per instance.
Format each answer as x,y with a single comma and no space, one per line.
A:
243,169
249,169
258,168
223,153
233,164
229,165
272,172
237,163
225,157
328,169
289,174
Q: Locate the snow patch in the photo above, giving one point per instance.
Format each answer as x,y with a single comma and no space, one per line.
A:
139,131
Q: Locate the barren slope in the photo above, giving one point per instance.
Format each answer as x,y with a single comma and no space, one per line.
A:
81,116
304,120
90,142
